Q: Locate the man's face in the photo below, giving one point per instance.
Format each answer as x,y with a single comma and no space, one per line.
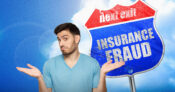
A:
67,41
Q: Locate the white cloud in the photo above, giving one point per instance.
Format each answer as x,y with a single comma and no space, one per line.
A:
173,36
54,49
119,82
170,62
169,44
89,6
85,41
84,47
113,3
164,7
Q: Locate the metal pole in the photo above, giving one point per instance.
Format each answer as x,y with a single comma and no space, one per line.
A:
132,83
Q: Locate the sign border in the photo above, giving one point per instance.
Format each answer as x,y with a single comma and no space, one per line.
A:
154,18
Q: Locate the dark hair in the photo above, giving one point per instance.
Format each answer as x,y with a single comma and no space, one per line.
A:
72,28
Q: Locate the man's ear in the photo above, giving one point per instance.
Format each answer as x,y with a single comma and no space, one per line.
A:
77,38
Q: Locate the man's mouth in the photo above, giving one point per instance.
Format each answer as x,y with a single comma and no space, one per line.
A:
63,48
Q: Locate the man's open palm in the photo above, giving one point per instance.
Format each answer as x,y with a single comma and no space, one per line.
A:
109,66
34,72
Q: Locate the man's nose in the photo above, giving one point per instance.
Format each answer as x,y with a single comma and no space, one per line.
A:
61,43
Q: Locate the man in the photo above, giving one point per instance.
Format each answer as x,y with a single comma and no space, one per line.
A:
72,71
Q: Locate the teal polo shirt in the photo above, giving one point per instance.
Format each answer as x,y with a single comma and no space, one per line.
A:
82,77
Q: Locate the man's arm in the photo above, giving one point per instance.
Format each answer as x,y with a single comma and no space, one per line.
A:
34,72
107,67
42,86
102,84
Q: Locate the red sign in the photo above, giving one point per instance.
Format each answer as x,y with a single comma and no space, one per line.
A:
119,14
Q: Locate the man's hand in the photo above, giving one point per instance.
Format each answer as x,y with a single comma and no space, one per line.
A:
109,66
34,72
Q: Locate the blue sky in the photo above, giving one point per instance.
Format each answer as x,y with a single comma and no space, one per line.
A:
26,36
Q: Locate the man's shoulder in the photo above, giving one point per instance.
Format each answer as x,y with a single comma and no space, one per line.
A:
52,60
89,59
85,56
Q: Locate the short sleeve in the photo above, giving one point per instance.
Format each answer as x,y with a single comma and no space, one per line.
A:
47,76
96,75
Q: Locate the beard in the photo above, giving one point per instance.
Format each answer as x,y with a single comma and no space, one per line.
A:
69,53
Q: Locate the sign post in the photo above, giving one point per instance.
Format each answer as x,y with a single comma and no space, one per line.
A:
126,33
132,83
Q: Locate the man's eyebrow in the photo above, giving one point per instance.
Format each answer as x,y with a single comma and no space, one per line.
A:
64,35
